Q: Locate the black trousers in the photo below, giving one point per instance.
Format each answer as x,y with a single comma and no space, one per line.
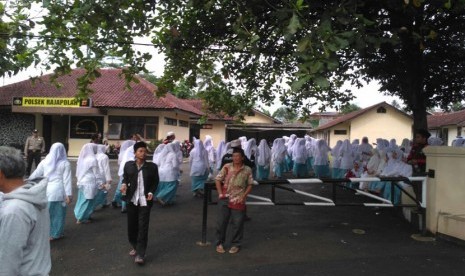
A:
32,156
138,227
227,215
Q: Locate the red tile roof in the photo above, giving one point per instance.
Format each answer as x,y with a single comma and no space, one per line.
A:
109,91
355,114
444,119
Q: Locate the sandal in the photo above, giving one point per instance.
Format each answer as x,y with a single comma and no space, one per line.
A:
234,250
132,253
220,249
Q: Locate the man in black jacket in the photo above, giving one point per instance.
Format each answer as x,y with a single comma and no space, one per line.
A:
140,181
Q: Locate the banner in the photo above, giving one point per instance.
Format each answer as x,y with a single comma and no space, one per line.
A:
51,102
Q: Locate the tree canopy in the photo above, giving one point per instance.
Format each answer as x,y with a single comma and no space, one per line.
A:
236,53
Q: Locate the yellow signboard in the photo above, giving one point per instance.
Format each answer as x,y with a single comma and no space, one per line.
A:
50,102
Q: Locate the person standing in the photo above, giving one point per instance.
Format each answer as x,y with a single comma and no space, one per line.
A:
24,219
33,149
417,158
57,169
233,183
140,181
170,137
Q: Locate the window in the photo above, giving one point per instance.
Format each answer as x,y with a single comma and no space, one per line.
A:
122,127
251,113
82,127
381,109
340,132
171,122
459,131
183,123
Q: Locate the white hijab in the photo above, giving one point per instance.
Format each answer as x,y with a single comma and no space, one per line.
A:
347,157
124,146
128,155
198,159
157,153
263,153
86,160
321,153
299,152
56,155
278,151
251,148
168,169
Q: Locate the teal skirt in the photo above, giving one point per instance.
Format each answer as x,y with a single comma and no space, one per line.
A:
166,192
321,170
57,218
198,182
263,172
387,193
84,207
278,169
300,170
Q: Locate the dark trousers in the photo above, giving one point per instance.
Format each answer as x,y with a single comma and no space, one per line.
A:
32,156
226,215
138,227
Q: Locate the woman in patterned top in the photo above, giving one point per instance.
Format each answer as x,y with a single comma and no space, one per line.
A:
233,183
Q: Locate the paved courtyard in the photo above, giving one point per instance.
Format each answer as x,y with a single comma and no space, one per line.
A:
279,240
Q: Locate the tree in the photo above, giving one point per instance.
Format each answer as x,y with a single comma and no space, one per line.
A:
457,106
239,52
349,108
285,114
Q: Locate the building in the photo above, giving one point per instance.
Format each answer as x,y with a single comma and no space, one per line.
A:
447,126
112,110
381,120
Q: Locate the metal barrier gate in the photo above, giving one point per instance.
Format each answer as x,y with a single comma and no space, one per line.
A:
325,201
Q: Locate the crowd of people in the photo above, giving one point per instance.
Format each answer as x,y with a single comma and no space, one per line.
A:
233,165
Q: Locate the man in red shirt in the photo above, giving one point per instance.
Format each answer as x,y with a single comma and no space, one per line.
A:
417,157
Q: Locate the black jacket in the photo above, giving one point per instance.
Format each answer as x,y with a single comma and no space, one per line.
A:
150,175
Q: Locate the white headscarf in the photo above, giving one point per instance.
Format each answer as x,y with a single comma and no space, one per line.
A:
251,148
219,153
210,149
128,155
373,162
86,160
290,144
157,153
364,149
321,153
299,152
168,170
382,162
125,145
263,153
56,155
435,141
336,154
177,150
347,157
458,142
198,159
278,152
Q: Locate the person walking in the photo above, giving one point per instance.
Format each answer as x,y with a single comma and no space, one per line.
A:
57,169
33,149
140,181
24,219
87,175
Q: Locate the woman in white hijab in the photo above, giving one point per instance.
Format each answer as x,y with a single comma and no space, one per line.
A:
104,177
251,154
211,152
336,161
372,168
377,187
299,158
263,160
435,141
290,143
157,154
168,171
278,157
219,154
200,168
406,146
86,174
321,166
347,157
309,147
57,169
117,202
127,155
395,167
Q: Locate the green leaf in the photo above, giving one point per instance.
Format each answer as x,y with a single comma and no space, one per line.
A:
303,43
321,81
294,24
